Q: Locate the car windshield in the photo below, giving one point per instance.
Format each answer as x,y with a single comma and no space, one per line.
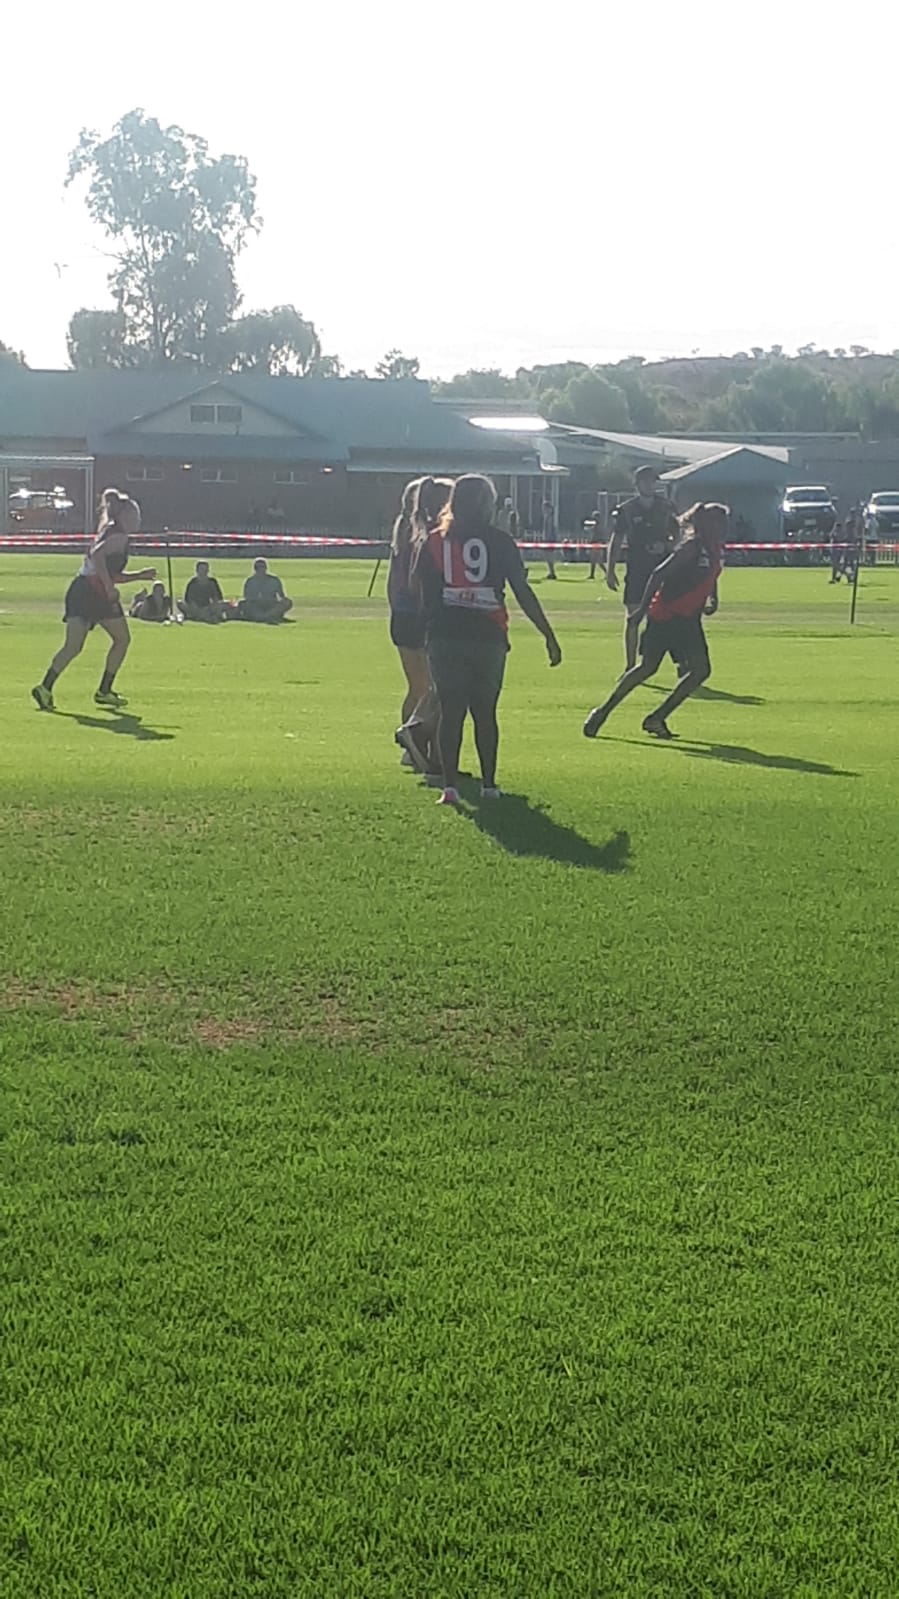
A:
886,499
807,496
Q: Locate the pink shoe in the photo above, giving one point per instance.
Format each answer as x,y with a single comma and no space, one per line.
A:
450,796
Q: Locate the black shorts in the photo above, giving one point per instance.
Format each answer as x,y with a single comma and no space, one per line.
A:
681,637
407,630
636,578
85,603
471,669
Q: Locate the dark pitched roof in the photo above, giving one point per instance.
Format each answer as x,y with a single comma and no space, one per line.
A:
741,465
347,414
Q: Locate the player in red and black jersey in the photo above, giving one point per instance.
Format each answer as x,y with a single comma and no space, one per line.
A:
92,600
461,571
679,592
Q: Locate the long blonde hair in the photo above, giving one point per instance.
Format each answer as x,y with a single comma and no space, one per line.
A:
402,527
118,511
423,501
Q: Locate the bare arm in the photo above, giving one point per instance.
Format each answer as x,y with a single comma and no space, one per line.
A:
614,551
534,612
146,574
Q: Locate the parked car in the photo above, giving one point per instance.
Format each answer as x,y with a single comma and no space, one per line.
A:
808,510
882,515
39,508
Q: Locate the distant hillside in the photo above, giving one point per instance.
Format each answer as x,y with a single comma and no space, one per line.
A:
753,391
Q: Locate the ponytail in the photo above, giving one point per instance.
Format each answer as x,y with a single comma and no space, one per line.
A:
430,500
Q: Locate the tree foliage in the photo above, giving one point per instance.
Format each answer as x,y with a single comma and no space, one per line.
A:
177,219
280,342
591,400
11,357
98,341
395,365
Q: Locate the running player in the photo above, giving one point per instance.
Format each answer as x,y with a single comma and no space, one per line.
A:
93,599
648,523
677,594
462,569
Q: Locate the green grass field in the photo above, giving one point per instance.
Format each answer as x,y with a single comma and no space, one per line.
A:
402,1203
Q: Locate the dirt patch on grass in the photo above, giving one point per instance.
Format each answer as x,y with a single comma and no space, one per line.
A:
66,819
162,1012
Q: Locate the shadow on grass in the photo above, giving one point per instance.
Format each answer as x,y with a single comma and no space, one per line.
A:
712,694
525,829
739,755
130,726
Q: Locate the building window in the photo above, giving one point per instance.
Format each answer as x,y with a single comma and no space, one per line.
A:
285,475
218,474
227,415
145,474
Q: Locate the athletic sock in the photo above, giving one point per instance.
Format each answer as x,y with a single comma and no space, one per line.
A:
106,682
49,679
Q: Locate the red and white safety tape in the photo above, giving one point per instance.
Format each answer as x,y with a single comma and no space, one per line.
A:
50,542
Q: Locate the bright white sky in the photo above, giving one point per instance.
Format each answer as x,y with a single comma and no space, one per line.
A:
466,180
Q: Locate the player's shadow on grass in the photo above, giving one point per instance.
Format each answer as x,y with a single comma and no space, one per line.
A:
130,726
739,755
712,694
525,829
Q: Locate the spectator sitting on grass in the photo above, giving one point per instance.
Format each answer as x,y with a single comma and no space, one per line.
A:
264,599
155,606
203,600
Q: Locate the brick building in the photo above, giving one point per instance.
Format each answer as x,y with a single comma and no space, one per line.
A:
237,452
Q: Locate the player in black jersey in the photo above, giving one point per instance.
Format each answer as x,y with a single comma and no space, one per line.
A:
93,600
648,524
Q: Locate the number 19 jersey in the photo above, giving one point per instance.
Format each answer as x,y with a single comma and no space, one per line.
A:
465,591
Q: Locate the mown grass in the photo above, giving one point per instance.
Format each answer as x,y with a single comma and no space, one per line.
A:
401,1203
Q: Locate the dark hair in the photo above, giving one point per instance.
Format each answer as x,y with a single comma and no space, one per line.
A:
471,506
645,471
431,496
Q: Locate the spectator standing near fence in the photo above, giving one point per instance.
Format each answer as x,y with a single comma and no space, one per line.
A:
549,535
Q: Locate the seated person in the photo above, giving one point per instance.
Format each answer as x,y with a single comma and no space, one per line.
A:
203,597
153,607
264,599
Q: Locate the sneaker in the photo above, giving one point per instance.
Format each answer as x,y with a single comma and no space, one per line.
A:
594,722
406,738
657,727
112,700
449,796
43,698
491,793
